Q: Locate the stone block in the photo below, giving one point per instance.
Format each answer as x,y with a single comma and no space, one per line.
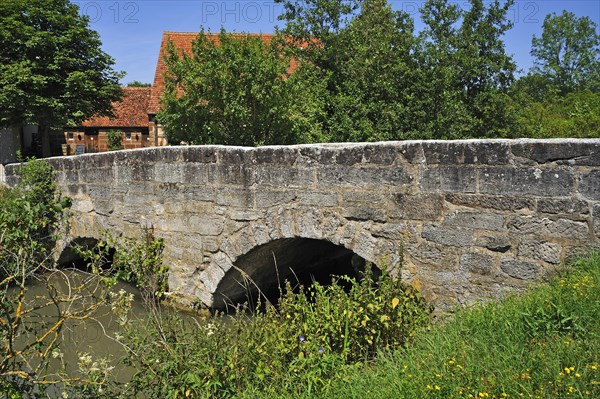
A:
412,152
244,215
261,233
238,175
365,212
475,220
275,155
553,182
520,269
364,246
466,152
498,202
570,152
453,236
477,263
205,225
284,177
569,206
544,227
494,243
211,277
589,185
316,198
449,179
436,255
195,173
395,231
316,155
199,154
267,198
197,193
541,250
233,155
419,206
287,227
95,175
363,177
308,222
169,173
243,198
349,155
380,154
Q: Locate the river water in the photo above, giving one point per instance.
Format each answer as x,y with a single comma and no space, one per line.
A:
94,335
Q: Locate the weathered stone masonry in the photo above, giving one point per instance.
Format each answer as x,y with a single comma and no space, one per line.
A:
463,220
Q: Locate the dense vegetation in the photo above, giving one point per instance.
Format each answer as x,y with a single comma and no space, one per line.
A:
361,73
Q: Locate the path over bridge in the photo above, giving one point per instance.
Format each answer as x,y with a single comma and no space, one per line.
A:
463,220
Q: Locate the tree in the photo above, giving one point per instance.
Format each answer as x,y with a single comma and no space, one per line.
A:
52,70
372,78
239,90
468,70
568,53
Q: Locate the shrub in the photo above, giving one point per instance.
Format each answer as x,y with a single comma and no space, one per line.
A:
115,140
302,345
29,216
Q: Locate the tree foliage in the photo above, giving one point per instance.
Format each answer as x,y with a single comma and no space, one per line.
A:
52,70
238,90
567,54
365,75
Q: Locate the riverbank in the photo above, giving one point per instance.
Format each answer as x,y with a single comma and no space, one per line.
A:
544,344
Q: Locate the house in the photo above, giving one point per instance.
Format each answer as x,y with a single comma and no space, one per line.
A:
130,121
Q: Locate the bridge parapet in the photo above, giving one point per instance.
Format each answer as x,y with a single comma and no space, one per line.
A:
463,220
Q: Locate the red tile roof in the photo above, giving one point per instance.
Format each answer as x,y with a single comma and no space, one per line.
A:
131,111
183,43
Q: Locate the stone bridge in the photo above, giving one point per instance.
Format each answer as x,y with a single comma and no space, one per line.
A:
461,220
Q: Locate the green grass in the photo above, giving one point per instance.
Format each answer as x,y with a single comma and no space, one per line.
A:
544,344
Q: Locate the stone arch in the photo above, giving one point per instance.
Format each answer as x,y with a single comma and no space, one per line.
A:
293,240
298,260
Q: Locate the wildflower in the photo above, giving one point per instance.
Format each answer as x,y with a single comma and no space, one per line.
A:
301,338
320,350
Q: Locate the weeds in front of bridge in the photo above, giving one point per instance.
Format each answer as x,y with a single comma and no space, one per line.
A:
302,345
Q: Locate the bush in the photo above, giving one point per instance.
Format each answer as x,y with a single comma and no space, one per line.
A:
29,216
302,346
115,140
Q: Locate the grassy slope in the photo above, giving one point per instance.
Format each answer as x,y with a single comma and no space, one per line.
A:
544,344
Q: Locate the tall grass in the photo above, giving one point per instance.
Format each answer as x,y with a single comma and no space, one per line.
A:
544,344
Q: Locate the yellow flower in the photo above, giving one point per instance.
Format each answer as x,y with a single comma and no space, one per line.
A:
437,388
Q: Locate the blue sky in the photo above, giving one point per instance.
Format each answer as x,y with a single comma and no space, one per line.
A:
131,30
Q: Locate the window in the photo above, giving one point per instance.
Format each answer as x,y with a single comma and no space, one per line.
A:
70,136
127,135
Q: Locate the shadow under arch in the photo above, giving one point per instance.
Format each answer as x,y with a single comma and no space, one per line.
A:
302,261
70,257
